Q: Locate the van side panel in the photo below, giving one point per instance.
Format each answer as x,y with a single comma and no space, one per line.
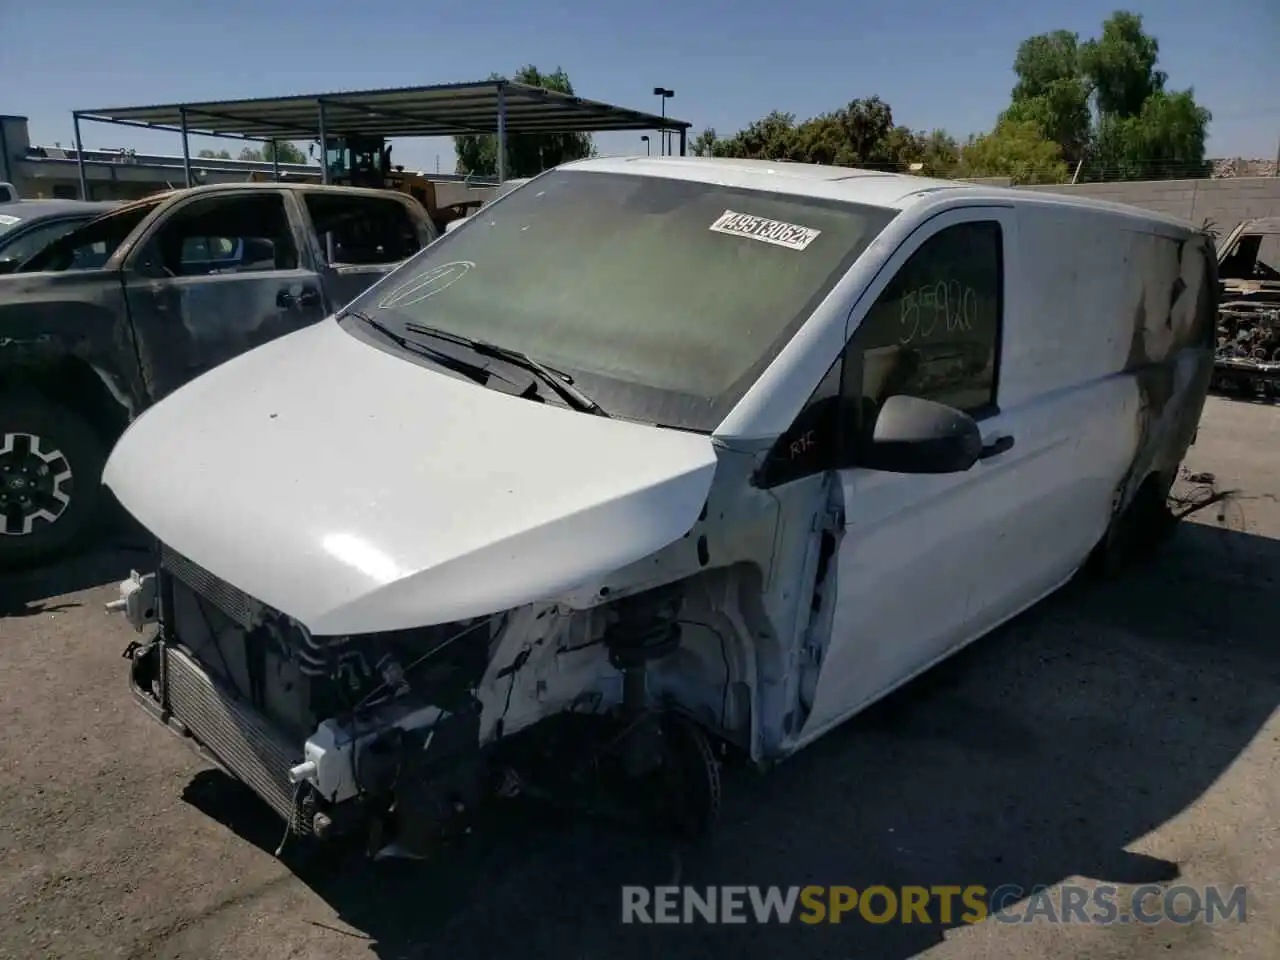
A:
1170,351
1120,338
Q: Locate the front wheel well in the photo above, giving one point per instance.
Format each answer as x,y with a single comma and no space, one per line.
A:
71,383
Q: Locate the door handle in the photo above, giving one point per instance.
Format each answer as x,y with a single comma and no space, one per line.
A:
306,297
996,447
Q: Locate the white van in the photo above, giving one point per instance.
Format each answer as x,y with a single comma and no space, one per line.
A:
661,460
500,191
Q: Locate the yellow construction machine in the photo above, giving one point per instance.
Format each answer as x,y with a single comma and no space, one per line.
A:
366,162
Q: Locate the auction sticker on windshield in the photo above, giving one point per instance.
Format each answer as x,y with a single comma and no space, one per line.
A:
780,234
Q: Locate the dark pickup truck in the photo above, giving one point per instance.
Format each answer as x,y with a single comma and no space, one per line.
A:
115,315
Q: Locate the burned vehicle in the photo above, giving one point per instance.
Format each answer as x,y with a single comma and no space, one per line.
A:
650,461
119,312
1248,360
28,226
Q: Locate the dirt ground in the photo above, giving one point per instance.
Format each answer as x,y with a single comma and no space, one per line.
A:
1123,732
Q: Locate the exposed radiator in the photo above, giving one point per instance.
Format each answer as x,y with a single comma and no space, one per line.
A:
244,743
232,601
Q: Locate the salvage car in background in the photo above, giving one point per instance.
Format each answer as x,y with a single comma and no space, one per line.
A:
500,191
1249,315
657,456
28,226
118,313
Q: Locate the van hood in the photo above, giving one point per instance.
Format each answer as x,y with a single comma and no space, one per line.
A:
357,491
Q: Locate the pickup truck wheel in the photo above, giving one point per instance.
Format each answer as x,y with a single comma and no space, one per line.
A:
50,480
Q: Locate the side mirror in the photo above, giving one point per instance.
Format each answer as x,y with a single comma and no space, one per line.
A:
911,435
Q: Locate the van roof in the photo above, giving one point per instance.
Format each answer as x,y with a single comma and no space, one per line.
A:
871,187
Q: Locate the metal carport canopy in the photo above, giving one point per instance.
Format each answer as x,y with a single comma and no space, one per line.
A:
489,106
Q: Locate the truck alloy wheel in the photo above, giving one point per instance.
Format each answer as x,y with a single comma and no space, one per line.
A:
35,483
50,479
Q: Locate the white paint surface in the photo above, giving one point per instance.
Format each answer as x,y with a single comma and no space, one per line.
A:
357,491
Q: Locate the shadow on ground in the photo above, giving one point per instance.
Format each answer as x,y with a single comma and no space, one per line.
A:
1038,754
116,549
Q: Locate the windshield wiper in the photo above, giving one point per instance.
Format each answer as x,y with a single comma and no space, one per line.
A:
472,371
561,383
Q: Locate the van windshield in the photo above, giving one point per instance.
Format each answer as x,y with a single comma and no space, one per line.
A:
663,298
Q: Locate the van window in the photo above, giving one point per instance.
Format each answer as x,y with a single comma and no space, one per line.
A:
934,331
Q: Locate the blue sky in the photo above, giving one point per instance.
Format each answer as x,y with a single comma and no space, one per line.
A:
938,64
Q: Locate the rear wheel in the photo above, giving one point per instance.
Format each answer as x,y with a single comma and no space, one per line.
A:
1137,531
50,479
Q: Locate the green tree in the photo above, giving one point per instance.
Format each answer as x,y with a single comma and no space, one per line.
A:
1143,131
940,154
772,137
705,143
1121,66
1104,102
1015,149
214,155
860,134
1052,91
288,152
1166,140
1045,60
527,153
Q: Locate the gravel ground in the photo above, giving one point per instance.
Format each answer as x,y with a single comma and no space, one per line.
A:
1120,733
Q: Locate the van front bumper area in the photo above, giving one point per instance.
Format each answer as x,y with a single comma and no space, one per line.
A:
178,693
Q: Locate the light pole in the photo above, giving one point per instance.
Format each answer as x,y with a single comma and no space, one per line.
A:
645,141
665,94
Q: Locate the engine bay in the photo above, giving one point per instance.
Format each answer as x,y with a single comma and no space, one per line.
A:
399,735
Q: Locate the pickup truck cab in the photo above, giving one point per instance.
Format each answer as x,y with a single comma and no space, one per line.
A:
119,313
653,457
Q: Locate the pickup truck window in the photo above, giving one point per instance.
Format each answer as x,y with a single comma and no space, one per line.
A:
235,234
37,238
365,230
93,244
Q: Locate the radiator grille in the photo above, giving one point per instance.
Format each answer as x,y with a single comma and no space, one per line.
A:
232,601
241,740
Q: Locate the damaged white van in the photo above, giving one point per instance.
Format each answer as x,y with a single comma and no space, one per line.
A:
649,460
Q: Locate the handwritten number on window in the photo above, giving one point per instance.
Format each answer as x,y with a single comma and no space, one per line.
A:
934,309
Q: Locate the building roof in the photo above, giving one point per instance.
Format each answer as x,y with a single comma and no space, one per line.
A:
434,111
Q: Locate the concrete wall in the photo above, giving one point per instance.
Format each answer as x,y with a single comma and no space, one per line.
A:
1226,202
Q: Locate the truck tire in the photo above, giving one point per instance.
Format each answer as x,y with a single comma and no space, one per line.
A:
50,480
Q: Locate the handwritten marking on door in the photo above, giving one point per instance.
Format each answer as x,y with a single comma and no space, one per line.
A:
933,309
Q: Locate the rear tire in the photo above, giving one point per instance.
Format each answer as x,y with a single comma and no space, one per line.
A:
50,480
1135,533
